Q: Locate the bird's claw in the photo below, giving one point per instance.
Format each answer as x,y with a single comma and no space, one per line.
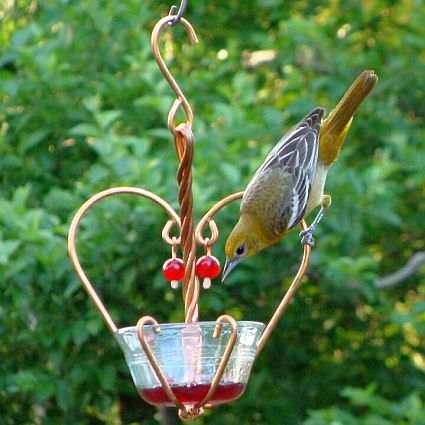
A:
307,234
307,237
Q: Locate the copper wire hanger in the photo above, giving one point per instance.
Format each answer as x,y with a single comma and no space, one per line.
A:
181,100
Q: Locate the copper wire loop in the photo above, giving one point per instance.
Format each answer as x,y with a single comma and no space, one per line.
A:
208,242
181,98
72,235
146,320
171,240
224,360
171,119
207,219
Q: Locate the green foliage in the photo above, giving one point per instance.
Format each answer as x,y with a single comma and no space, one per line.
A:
376,410
83,107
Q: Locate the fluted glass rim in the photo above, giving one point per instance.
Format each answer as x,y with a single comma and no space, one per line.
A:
182,325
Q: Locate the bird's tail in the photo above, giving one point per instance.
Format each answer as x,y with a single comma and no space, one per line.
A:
336,125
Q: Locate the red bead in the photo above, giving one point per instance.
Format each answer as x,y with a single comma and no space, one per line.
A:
208,266
173,269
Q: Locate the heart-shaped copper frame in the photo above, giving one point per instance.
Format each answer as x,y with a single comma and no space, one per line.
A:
185,413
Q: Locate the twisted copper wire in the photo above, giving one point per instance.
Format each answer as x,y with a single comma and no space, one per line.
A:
183,139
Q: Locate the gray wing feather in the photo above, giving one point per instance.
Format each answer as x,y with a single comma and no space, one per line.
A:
297,153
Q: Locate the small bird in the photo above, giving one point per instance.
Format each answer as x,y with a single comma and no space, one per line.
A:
290,182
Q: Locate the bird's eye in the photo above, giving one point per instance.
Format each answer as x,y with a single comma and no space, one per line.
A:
240,250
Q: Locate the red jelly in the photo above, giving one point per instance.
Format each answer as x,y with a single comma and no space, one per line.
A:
191,394
173,269
207,267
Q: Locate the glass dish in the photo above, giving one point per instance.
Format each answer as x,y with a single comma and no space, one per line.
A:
188,356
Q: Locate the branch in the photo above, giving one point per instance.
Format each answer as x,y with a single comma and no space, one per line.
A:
411,267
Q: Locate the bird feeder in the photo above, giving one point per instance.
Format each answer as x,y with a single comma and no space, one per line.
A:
192,365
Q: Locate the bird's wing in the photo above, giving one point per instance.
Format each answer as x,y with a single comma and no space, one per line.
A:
296,154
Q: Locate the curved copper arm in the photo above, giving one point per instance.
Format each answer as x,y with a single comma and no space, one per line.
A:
224,360
207,219
72,235
288,296
181,98
152,359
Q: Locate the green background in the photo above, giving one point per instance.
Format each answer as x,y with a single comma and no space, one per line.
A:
83,107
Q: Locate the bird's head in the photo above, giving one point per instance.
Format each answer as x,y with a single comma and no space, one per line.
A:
245,240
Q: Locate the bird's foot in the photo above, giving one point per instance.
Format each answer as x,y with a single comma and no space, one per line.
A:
307,237
307,234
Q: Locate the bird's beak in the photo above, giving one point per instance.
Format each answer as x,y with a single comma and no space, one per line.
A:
231,263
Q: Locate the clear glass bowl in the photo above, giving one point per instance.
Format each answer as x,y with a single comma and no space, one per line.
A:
188,356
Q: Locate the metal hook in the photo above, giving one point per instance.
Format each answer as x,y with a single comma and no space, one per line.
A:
181,98
178,15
